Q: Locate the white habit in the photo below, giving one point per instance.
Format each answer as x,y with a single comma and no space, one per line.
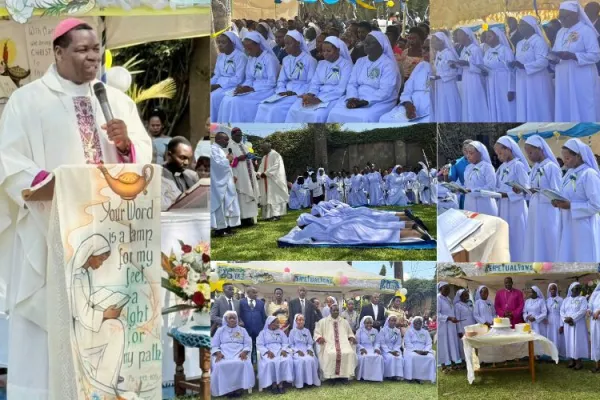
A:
224,206
273,188
246,184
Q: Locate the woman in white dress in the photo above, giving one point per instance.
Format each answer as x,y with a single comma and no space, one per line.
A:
594,307
573,313
447,104
230,70
368,348
419,358
554,327
543,217
512,207
390,338
463,307
448,351
479,175
396,195
535,312
275,362
261,79
374,84
500,77
580,213
534,86
474,97
306,364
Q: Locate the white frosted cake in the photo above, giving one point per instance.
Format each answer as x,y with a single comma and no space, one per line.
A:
501,323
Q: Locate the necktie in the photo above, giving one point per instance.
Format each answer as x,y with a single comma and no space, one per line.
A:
230,305
302,304
252,304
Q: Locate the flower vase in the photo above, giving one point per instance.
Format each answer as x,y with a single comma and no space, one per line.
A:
201,319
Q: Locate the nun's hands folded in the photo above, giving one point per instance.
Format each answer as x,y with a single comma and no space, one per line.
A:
310,353
377,351
219,356
597,314
565,205
411,110
300,353
511,96
244,355
270,355
394,353
363,351
284,353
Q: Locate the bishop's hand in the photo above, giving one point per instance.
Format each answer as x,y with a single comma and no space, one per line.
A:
117,133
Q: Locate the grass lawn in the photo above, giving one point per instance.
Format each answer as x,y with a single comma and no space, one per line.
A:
551,382
353,391
260,243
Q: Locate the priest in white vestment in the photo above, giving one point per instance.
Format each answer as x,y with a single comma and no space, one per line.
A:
52,122
272,183
337,346
244,176
224,206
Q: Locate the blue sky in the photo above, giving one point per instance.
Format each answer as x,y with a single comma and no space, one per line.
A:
266,129
412,269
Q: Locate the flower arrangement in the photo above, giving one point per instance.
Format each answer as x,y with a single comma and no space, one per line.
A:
188,277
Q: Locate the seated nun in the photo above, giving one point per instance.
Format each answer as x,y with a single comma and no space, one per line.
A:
415,100
390,338
231,368
327,86
299,195
275,363
230,70
374,84
368,348
306,364
419,359
241,103
296,73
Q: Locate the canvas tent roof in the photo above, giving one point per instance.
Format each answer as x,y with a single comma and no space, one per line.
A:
264,9
561,274
267,275
586,132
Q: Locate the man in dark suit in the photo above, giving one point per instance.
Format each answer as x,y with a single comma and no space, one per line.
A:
302,305
222,304
513,32
252,313
374,310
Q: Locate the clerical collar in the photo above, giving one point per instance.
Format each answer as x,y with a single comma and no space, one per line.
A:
71,88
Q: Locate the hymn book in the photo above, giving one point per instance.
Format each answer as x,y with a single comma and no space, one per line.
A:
455,188
552,195
518,186
455,227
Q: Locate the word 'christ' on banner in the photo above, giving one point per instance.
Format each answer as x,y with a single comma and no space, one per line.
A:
109,220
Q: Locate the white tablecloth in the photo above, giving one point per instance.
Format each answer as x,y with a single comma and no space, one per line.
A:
192,227
514,340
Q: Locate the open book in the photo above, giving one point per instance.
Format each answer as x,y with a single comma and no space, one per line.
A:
454,187
231,93
43,191
455,227
323,104
194,197
518,186
552,195
273,99
488,193
104,298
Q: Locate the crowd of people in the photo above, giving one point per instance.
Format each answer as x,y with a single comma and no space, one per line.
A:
299,343
321,71
395,186
570,221
562,320
533,73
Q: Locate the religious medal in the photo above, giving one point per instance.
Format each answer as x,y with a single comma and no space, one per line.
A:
229,66
258,70
374,73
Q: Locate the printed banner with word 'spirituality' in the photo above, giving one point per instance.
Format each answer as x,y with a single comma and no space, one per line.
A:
105,250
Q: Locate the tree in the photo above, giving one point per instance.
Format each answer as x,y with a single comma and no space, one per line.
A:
383,271
419,290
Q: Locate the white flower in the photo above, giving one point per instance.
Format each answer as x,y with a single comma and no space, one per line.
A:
188,258
20,10
190,289
193,277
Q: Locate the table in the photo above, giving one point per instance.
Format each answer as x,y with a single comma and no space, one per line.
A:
490,243
201,340
502,338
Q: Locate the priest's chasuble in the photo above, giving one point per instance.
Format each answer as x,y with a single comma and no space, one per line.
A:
337,356
46,124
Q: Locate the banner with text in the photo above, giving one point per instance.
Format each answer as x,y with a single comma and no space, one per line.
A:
108,294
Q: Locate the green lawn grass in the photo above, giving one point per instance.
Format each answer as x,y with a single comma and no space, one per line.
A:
552,382
260,243
353,391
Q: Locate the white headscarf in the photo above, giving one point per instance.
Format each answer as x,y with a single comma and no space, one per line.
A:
469,32
478,292
387,47
485,155
270,34
227,313
539,292
362,322
502,37
458,294
94,245
533,22
268,322
548,296
574,6
339,44
387,331
540,143
259,39
235,39
423,166
585,151
295,326
506,141
298,38
448,42
573,285
315,27
441,284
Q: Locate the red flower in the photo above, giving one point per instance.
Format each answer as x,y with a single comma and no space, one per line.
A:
186,248
205,258
198,299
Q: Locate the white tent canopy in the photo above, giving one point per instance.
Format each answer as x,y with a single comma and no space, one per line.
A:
316,276
472,277
554,142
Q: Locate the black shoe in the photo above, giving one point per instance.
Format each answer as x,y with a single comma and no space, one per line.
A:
415,219
276,218
219,233
274,390
282,390
424,234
